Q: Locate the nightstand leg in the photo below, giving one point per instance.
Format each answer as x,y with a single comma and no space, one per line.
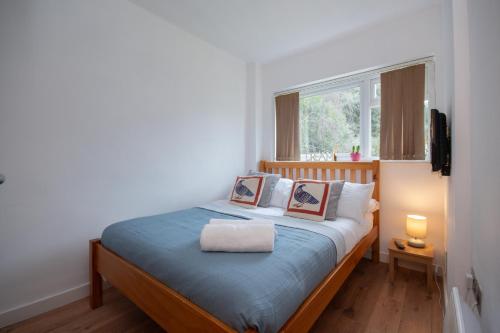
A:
392,262
429,277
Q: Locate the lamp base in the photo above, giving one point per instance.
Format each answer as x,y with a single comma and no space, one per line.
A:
415,242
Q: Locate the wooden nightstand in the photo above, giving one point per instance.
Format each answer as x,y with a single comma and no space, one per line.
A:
422,256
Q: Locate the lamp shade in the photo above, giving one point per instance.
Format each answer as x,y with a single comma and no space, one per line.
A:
416,226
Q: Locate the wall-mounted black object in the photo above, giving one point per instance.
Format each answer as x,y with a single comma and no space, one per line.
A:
2,179
440,143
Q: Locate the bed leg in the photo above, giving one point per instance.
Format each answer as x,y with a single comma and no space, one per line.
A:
376,251
95,296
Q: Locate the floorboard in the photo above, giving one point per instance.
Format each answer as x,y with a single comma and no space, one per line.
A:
367,302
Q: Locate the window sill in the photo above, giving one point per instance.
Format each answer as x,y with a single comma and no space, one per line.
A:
375,159
405,161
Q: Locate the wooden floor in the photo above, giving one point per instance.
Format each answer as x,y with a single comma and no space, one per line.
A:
367,302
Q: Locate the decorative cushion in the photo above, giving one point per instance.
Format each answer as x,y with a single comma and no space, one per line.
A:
354,200
269,184
281,193
247,191
309,200
335,191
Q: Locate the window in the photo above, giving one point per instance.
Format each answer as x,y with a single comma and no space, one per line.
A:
337,115
332,120
329,122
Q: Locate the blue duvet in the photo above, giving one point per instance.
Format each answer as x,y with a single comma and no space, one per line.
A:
244,290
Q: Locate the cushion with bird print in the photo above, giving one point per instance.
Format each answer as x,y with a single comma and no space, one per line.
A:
309,200
247,191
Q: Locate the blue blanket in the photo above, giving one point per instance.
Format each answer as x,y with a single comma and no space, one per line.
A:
244,290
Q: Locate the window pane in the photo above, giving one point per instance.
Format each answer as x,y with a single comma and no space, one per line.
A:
375,131
329,122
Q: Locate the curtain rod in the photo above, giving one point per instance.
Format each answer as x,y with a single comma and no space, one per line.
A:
353,76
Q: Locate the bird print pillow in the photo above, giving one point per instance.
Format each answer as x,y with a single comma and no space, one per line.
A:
309,200
247,191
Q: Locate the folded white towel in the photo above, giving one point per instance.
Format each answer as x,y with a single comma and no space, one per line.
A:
255,221
237,237
245,222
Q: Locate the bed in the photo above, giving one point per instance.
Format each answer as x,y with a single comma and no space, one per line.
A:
228,292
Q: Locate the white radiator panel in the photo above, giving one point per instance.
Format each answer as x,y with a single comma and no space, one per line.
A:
459,316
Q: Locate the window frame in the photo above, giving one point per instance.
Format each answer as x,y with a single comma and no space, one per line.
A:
363,79
341,87
373,103
364,85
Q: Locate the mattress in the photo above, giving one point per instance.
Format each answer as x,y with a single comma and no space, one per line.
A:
352,232
258,290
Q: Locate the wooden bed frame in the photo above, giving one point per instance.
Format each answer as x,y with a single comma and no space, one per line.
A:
174,313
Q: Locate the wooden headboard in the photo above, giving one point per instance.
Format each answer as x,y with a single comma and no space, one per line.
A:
354,172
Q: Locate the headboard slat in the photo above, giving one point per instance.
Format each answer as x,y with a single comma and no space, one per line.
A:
352,175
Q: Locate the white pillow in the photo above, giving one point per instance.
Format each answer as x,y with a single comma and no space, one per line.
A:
281,193
373,206
354,200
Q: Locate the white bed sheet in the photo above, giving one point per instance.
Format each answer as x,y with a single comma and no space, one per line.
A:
351,230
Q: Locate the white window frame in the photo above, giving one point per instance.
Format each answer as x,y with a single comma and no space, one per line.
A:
364,79
365,105
373,103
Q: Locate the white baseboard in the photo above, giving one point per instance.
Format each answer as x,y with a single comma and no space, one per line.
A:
42,305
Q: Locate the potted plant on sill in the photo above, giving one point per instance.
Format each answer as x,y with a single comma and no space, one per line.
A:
355,154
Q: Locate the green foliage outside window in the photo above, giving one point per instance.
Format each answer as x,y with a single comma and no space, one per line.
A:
329,122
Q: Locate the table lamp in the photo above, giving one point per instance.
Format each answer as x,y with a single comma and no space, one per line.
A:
416,228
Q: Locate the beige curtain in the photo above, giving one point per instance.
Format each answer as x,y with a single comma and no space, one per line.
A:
287,127
402,114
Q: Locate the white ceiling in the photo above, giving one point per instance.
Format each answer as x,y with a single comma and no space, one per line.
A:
263,30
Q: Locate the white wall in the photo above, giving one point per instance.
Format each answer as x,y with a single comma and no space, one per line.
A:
473,228
106,113
406,187
484,30
458,231
254,105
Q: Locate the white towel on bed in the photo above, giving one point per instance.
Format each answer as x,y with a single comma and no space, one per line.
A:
254,221
237,237
245,222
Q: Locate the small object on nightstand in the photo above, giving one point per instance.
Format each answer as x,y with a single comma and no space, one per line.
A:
399,244
423,256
